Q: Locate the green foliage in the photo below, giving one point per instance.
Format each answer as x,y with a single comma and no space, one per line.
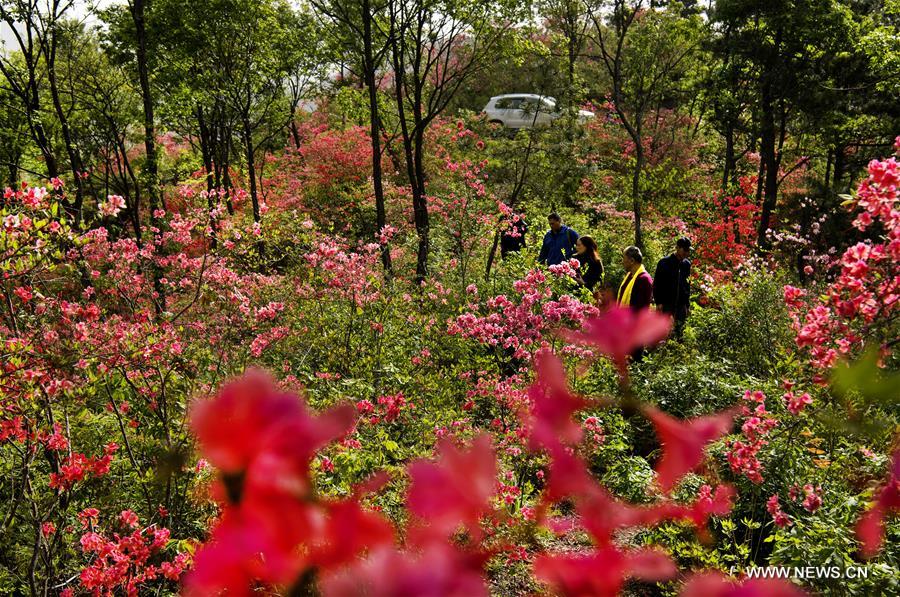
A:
827,540
629,478
687,383
748,329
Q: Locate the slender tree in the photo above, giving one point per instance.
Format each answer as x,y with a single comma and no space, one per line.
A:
436,46
357,24
644,52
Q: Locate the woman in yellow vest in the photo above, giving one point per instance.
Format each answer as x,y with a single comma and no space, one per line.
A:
636,290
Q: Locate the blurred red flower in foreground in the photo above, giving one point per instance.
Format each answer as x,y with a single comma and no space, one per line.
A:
602,572
457,489
619,331
275,531
683,442
870,528
250,421
552,405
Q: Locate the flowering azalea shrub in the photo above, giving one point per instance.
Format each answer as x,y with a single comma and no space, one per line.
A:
859,308
103,335
519,326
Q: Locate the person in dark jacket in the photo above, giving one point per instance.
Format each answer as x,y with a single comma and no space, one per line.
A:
513,238
590,270
559,242
636,290
672,286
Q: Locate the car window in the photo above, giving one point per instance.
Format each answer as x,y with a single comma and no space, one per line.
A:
530,105
508,103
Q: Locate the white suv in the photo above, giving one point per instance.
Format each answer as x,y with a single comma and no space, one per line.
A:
526,110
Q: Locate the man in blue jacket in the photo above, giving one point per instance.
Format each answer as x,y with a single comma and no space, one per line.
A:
559,242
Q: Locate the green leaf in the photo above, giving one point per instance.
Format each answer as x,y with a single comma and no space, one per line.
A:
866,378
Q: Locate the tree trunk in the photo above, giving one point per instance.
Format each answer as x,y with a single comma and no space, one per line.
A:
636,194
32,111
375,133
839,165
150,170
768,154
251,167
769,163
295,132
420,207
206,152
12,169
730,166
74,158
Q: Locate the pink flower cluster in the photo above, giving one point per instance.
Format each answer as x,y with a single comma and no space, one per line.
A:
795,404
389,408
519,324
859,305
112,206
346,274
566,269
780,519
593,431
813,499
79,467
743,454
30,197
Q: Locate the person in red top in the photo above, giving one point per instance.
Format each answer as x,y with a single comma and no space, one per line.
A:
636,290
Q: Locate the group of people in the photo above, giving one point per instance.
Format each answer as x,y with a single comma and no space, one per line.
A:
669,288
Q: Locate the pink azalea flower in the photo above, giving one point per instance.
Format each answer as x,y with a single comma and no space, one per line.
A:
552,405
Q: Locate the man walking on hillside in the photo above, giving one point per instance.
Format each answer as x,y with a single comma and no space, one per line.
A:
559,242
672,286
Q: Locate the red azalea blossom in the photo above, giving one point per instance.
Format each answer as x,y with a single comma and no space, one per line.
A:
552,405
619,331
683,442
250,423
456,489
